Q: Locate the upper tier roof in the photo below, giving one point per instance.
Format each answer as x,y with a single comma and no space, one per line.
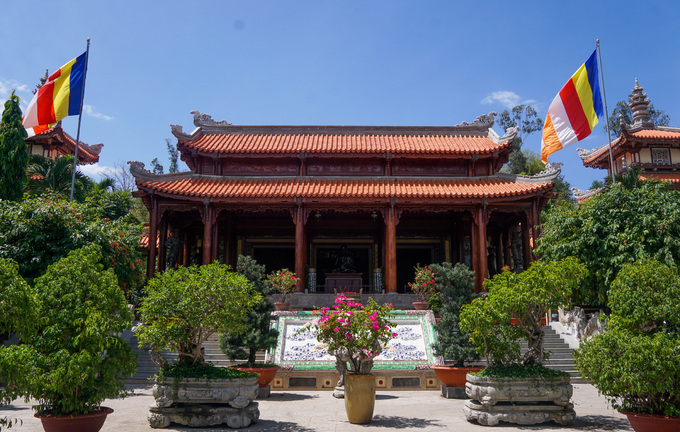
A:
55,135
212,137
658,135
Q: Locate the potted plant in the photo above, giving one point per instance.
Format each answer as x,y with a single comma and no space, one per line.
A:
455,286
284,281
70,358
356,333
510,376
424,286
181,309
635,363
259,335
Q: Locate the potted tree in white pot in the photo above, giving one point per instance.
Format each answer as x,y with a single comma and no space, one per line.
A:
511,377
181,309
70,358
635,363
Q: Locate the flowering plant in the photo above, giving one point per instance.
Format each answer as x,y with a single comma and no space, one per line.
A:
424,285
284,281
357,330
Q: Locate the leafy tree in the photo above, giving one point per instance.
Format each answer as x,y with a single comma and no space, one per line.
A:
258,335
13,151
659,117
38,232
156,167
53,176
526,120
173,156
615,227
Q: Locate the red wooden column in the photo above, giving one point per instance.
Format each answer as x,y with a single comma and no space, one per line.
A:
229,247
482,271
526,241
161,243
208,222
300,247
390,250
215,251
535,223
186,249
153,235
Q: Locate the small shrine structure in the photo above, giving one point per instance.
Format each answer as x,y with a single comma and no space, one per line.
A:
55,142
653,149
355,207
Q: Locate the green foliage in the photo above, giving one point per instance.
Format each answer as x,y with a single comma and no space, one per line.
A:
284,281
456,288
423,285
38,232
13,151
70,358
612,228
208,371
15,297
259,335
622,109
525,297
185,306
519,371
635,363
526,120
48,176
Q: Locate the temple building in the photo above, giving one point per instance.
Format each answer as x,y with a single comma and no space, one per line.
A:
55,142
653,149
344,207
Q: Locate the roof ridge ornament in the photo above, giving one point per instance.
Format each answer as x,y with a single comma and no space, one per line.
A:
580,194
484,120
638,103
549,174
203,120
585,153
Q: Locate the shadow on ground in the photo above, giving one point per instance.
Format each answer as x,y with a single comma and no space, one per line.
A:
385,397
585,423
394,422
260,426
289,397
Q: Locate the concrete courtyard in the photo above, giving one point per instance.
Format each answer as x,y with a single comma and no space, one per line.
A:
311,411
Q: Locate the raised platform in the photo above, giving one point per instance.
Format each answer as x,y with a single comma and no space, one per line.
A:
311,301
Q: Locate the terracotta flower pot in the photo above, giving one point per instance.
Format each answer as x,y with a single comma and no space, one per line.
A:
281,306
359,397
652,423
91,422
452,376
421,305
266,374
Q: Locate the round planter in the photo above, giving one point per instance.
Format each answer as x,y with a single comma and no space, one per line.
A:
652,423
281,306
452,376
266,374
421,305
359,398
91,422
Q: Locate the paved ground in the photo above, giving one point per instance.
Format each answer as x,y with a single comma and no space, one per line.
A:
311,411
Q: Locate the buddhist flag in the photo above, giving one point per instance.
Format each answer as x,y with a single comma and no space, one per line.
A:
60,96
574,111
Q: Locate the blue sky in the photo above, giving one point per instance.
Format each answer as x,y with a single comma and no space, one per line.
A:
319,62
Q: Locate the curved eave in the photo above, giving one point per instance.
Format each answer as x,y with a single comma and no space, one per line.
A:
656,136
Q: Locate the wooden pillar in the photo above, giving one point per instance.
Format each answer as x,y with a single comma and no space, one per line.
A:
162,250
215,252
535,223
482,271
186,248
153,235
526,245
390,250
208,222
229,249
300,247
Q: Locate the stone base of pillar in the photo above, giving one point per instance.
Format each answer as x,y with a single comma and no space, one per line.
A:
454,392
518,413
201,415
264,392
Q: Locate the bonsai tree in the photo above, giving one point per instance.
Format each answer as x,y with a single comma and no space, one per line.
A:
455,285
424,284
636,363
284,281
526,297
258,334
185,306
70,358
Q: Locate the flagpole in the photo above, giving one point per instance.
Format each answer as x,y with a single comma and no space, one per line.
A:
80,117
606,113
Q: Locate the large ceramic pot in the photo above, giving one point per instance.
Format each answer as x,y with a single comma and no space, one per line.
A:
421,305
652,423
452,376
281,306
266,374
91,422
359,397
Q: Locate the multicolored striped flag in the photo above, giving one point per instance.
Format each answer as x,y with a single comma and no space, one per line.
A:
60,96
574,112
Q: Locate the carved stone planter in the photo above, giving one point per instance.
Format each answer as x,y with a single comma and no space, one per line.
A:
521,401
204,402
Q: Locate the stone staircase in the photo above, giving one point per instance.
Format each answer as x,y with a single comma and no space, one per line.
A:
561,357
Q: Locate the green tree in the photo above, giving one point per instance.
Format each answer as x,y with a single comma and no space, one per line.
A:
53,176
659,117
615,227
13,151
173,157
526,120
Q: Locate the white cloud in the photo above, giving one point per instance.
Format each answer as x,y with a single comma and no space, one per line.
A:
506,98
90,111
6,87
97,171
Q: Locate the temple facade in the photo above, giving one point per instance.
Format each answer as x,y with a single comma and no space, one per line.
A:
653,149
54,142
344,207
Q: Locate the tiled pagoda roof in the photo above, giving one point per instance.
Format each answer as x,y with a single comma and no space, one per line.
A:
657,135
666,177
212,137
87,154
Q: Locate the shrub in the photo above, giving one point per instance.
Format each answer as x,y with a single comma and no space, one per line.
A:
636,362
185,306
284,281
423,285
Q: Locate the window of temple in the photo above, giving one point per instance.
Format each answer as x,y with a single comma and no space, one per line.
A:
661,156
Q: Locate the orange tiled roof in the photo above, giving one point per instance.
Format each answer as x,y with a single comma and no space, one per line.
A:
245,188
331,142
87,154
642,134
671,177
